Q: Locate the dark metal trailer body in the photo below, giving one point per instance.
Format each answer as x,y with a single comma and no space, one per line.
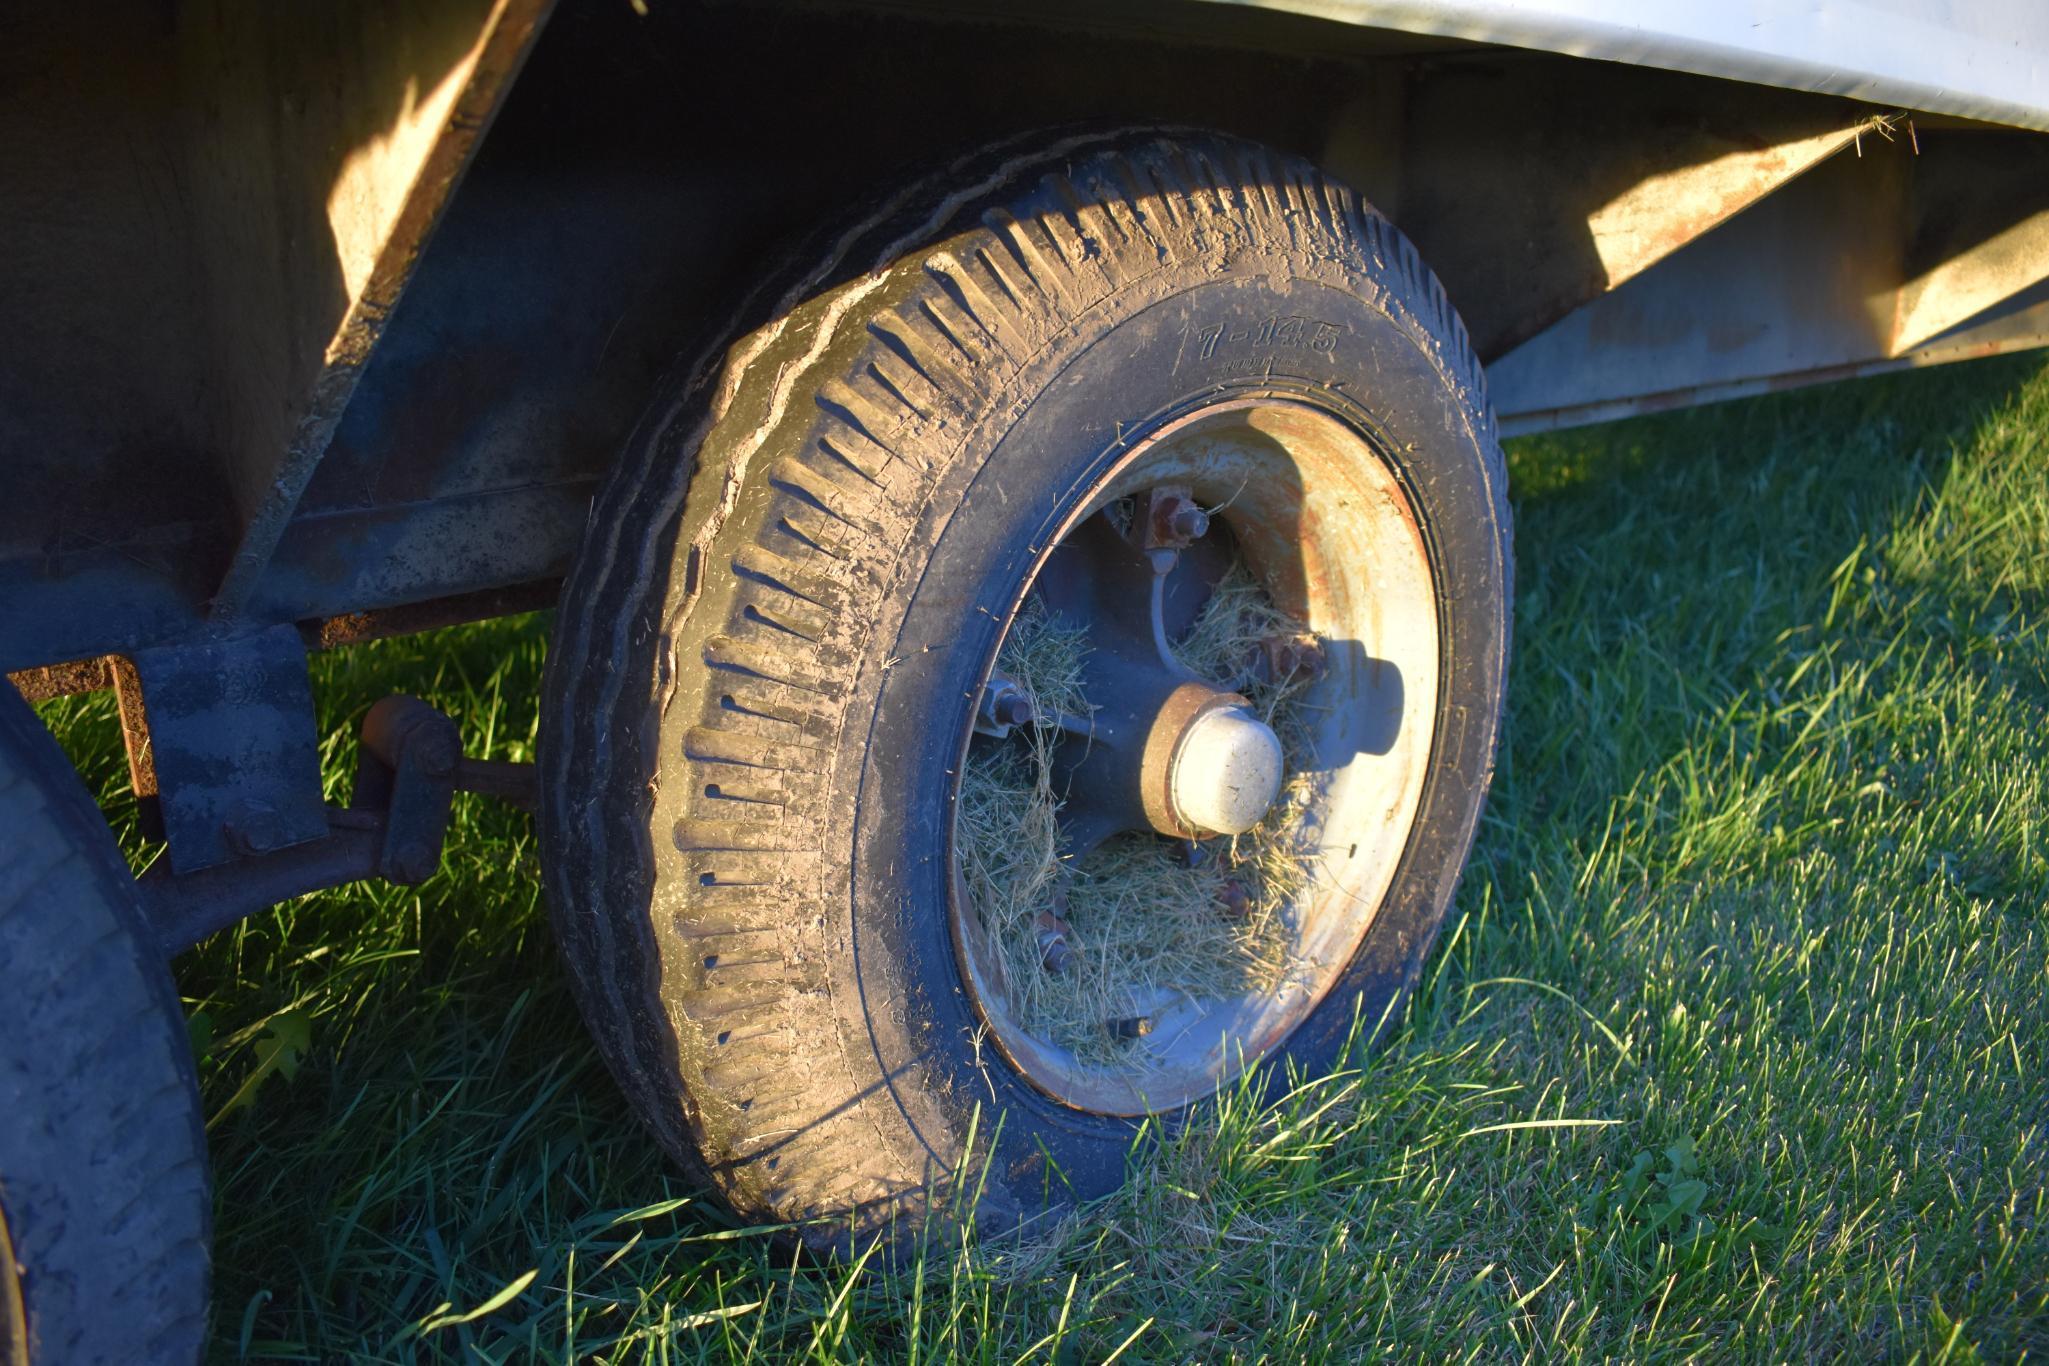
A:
232,401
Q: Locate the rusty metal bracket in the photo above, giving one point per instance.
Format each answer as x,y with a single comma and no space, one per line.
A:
394,827
407,773
233,747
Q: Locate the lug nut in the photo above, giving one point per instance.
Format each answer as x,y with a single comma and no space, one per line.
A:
1133,1027
1003,705
1171,518
1054,951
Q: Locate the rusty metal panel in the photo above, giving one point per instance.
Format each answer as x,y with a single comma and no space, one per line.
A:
209,209
414,86
112,494
1532,185
349,560
1979,59
1963,285
1802,281
92,596
2020,324
1805,287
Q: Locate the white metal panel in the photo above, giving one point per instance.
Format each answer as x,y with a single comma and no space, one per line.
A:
1980,59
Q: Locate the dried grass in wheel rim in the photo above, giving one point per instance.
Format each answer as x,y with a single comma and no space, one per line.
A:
1148,929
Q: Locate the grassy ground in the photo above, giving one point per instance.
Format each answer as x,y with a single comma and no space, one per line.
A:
1735,1044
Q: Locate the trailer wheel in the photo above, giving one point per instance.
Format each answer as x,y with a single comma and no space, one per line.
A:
1085,382
105,1199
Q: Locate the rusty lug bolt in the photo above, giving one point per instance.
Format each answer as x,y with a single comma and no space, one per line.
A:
1172,518
1133,1027
1054,951
1013,709
1234,899
1003,705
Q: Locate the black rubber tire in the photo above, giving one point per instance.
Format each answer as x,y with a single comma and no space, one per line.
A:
765,653
104,1180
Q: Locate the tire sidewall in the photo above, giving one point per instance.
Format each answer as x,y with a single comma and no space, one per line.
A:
103,1160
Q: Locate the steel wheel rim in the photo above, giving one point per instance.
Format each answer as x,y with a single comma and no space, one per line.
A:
1324,524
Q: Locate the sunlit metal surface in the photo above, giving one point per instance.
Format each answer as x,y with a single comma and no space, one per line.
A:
1892,260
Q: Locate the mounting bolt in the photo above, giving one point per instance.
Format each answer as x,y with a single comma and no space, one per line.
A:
1172,518
1004,704
253,827
1054,951
1133,1027
1013,709
414,861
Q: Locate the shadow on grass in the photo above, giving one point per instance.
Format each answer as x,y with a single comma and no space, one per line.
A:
1660,562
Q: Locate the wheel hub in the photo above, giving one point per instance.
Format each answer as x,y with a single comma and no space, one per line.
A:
1161,750
1211,767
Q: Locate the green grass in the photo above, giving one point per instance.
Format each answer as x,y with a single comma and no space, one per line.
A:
1735,1043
